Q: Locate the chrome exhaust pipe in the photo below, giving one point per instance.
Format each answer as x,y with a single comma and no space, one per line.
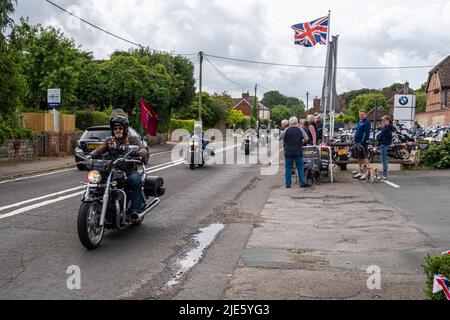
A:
150,207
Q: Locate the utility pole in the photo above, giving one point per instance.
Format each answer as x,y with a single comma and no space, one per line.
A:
200,54
256,108
307,100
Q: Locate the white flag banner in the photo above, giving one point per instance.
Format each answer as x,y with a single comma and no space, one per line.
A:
436,286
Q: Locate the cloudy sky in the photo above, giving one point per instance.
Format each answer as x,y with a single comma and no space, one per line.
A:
371,33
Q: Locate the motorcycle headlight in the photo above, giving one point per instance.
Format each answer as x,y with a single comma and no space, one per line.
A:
94,176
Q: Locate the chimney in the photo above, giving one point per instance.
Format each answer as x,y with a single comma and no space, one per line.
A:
316,104
246,96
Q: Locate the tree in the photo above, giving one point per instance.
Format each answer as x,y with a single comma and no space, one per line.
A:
235,117
11,84
47,59
279,113
366,101
7,8
274,98
421,101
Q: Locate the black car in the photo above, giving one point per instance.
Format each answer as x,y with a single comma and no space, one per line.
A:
94,137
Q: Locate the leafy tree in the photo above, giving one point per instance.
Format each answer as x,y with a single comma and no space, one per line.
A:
279,113
235,117
215,108
11,85
47,59
7,8
421,101
366,101
274,98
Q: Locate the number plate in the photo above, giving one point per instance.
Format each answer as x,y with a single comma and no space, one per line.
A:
342,152
93,146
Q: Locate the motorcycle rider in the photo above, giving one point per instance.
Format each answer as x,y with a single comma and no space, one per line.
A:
115,146
205,139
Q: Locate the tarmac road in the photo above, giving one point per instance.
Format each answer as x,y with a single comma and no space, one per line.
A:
424,197
39,241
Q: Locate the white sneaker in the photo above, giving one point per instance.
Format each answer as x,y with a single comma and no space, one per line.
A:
355,172
362,177
357,176
384,178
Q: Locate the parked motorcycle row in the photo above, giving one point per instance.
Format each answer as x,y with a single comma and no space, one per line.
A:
404,141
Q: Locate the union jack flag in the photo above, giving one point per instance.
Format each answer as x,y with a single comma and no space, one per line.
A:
439,284
308,34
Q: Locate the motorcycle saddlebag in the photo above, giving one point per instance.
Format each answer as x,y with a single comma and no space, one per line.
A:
154,186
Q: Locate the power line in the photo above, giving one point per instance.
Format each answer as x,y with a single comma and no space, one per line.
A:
223,75
112,34
311,66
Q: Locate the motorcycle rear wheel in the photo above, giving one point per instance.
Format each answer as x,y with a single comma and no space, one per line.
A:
404,153
89,231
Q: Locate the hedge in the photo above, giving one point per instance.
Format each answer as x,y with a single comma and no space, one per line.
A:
7,132
181,124
437,156
435,265
85,119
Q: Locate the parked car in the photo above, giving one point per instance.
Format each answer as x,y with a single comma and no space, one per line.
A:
94,137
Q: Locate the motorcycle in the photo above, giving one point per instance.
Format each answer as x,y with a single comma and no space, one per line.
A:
105,202
396,151
249,144
196,153
263,137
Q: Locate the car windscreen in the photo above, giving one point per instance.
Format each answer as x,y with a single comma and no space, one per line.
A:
96,134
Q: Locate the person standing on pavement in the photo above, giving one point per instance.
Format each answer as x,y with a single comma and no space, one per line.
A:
305,126
293,138
312,129
360,148
384,141
319,129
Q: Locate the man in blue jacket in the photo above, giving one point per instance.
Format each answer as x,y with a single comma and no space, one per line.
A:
360,149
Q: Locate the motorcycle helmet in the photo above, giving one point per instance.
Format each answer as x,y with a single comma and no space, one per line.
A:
119,119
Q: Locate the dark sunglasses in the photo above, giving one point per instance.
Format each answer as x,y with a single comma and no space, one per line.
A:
118,129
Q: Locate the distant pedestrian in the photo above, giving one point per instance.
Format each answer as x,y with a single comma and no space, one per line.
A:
305,127
312,129
319,129
361,146
384,141
294,138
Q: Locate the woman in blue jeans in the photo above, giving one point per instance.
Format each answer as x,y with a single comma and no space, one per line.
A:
384,141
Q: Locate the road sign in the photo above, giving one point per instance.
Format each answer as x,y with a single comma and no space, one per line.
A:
54,98
405,109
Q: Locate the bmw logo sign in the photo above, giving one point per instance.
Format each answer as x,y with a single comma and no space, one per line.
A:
403,100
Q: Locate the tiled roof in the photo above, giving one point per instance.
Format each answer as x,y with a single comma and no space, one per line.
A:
443,69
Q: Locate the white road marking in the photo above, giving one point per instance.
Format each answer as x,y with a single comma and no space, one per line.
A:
41,204
17,204
391,184
38,175
37,205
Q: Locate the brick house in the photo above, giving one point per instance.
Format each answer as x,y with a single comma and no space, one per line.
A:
438,96
245,105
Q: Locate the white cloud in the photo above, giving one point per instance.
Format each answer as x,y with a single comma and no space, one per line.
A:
372,33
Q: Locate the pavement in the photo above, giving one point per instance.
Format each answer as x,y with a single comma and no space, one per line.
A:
318,243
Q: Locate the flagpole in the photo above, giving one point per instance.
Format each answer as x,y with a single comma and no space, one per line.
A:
324,103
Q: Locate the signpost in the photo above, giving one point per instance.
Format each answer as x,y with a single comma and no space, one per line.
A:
405,109
54,103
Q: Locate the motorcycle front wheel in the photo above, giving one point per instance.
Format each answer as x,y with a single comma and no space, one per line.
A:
89,231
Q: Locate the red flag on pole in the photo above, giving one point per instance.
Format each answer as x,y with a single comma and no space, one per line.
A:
149,118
